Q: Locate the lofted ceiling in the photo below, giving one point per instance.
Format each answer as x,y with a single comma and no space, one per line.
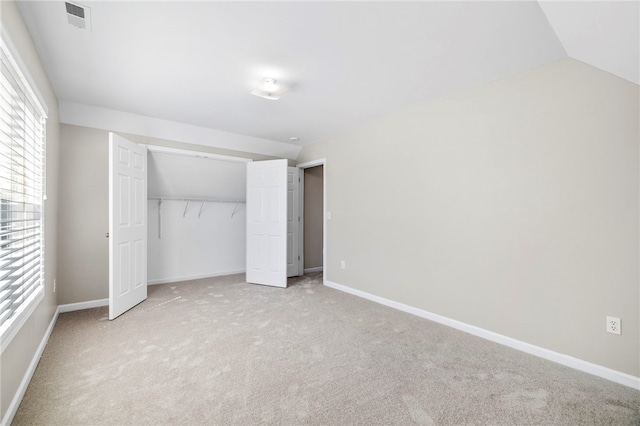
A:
347,63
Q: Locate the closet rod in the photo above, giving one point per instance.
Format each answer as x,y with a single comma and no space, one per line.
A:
206,200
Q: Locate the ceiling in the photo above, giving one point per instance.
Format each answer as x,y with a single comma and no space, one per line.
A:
348,63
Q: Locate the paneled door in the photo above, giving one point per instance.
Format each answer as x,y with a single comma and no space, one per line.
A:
293,222
127,225
267,223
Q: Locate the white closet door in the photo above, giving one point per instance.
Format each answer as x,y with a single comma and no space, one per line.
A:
293,222
267,223
127,225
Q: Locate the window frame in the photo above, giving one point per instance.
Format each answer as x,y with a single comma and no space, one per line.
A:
26,309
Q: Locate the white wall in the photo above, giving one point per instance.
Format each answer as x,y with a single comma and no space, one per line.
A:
512,207
192,247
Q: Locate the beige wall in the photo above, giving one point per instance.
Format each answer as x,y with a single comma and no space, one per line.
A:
84,216
16,358
512,207
83,260
313,204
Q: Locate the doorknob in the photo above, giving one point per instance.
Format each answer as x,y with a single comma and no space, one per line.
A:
106,235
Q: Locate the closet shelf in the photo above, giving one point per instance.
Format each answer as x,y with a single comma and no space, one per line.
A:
187,201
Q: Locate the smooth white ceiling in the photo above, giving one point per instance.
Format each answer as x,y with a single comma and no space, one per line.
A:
348,62
603,34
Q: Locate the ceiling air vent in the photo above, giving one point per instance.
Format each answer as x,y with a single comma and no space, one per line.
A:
78,15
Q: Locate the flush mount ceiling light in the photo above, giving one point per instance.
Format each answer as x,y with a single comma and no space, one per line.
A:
269,88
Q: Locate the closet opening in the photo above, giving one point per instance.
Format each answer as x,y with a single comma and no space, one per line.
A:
196,212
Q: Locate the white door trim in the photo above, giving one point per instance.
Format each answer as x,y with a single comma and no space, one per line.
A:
301,270
308,165
190,153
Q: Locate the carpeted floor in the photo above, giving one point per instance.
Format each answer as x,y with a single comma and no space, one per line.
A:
220,351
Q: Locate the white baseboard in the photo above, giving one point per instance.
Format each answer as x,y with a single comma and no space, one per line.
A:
83,305
566,360
193,277
17,398
316,269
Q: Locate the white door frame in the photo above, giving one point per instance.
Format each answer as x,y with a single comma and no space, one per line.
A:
192,153
308,165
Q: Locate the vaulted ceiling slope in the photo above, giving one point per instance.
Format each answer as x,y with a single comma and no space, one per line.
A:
184,70
605,34
190,177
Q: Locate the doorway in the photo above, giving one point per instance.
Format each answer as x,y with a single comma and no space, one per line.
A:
313,216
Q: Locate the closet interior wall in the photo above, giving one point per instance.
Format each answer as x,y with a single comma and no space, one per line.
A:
196,217
194,244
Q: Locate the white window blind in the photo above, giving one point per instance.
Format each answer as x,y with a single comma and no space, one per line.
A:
22,153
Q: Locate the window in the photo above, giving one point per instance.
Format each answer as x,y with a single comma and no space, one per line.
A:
22,153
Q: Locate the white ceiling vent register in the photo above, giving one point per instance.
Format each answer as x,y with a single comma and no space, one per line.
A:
78,15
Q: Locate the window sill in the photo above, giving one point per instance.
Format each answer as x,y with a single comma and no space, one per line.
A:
11,329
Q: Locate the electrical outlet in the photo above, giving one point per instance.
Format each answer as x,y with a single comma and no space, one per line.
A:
613,325
343,265
54,285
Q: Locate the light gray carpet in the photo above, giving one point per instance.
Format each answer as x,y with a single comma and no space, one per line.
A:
220,351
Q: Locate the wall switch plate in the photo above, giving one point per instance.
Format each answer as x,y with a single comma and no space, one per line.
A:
613,325
343,265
